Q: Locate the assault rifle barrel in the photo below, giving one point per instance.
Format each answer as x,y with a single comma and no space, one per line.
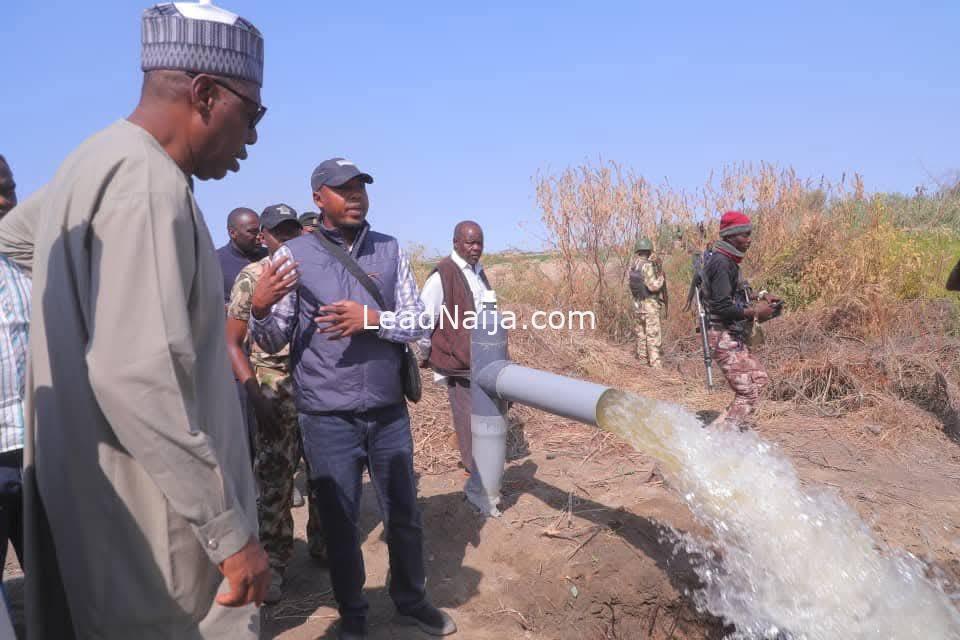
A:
702,317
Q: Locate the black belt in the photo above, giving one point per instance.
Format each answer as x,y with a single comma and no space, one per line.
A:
720,327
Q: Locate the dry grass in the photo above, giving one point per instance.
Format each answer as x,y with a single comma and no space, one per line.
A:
829,370
869,329
815,242
898,387
869,322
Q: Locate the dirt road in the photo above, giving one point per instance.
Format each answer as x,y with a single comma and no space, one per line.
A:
584,549
585,546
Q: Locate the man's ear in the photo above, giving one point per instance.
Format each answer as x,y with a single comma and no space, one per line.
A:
203,93
317,200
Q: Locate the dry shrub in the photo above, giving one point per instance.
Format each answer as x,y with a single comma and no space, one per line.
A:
861,288
823,360
431,425
868,326
923,382
593,214
815,242
527,283
420,261
826,385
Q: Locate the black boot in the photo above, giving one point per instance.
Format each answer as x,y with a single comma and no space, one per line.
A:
353,629
429,619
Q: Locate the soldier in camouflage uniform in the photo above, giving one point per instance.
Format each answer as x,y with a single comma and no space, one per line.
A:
649,289
277,448
731,313
309,221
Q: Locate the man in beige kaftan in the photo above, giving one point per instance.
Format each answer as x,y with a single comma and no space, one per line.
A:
139,493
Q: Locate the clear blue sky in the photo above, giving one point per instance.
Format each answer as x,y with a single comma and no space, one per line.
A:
453,107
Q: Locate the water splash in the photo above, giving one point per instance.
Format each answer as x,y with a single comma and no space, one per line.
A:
794,562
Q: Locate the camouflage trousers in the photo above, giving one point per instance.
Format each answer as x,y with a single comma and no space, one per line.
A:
646,314
745,375
277,456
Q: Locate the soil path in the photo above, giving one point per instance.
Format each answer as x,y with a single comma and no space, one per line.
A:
585,547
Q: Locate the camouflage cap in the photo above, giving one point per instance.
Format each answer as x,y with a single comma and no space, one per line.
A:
310,218
643,244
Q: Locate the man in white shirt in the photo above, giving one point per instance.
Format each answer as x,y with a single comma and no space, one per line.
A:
14,335
453,289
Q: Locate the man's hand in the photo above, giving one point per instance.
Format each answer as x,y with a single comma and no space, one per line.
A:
423,356
276,281
346,318
761,311
265,409
248,574
772,299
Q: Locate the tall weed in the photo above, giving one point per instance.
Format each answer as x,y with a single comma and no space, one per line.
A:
817,243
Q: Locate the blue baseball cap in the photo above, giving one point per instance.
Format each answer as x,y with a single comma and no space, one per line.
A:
335,172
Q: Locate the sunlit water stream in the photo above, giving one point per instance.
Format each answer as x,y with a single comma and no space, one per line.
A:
795,562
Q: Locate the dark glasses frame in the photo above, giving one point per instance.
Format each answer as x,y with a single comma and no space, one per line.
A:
261,109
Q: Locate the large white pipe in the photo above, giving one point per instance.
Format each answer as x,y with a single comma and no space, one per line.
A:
559,395
488,345
6,625
495,382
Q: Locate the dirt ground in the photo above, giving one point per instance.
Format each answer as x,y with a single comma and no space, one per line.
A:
584,548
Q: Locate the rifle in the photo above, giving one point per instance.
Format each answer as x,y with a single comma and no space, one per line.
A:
707,362
664,294
701,316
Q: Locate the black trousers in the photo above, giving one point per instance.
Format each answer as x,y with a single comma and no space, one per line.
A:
11,504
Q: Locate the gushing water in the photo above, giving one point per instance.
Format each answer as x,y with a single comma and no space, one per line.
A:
794,562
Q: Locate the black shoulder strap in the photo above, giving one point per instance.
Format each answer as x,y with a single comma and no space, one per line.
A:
355,269
483,279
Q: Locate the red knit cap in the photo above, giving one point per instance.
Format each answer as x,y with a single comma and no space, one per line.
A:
734,222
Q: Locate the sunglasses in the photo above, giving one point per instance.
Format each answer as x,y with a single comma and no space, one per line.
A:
261,110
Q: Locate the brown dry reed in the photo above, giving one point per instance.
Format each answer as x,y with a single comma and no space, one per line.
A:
868,324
